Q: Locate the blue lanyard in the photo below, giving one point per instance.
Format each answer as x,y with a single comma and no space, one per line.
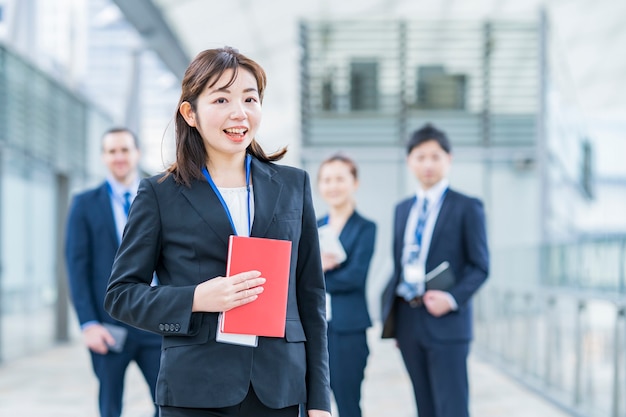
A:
422,217
248,160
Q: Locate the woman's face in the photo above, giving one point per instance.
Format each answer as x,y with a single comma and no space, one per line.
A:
227,118
336,184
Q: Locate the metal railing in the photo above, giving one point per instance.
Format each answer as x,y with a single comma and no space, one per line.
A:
565,337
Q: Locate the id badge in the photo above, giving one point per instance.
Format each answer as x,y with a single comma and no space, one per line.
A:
234,338
414,273
329,312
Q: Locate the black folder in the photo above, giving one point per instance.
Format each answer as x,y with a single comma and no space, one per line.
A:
440,278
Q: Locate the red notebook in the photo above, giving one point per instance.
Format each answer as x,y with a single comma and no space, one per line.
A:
266,315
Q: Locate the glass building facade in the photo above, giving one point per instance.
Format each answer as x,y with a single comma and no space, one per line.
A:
368,84
69,70
553,309
44,129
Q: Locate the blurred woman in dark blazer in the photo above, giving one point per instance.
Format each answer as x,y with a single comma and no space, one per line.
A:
345,272
222,184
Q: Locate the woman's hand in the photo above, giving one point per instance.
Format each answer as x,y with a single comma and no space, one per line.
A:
329,261
224,293
318,413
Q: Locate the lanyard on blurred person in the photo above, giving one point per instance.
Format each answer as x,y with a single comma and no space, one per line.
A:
423,214
247,163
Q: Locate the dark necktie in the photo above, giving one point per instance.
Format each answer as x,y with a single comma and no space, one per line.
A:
126,202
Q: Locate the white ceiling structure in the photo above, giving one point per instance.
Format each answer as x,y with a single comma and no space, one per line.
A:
591,38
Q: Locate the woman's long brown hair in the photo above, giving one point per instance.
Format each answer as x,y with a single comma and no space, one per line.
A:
204,71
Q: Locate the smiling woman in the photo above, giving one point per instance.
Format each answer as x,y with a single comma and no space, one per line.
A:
227,115
223,184
346,265
219,113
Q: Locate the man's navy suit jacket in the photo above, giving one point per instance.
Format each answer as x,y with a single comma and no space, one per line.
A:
347,283
90,247
459,237
182,233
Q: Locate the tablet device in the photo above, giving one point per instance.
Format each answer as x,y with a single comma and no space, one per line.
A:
440,278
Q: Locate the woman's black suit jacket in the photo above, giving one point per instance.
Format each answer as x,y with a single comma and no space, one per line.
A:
347,283
182,234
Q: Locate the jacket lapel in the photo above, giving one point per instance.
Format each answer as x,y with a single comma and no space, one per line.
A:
104,202
267,190
444,212
347,235
266,194
205,202
403,216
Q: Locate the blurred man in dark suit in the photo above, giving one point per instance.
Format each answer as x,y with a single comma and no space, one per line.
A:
433,327
94,230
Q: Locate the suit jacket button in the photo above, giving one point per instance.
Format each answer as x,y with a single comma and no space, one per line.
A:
177,327
167,327
161,327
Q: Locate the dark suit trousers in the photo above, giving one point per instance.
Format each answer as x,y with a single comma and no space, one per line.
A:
251,406
438,370
347,354
111,369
